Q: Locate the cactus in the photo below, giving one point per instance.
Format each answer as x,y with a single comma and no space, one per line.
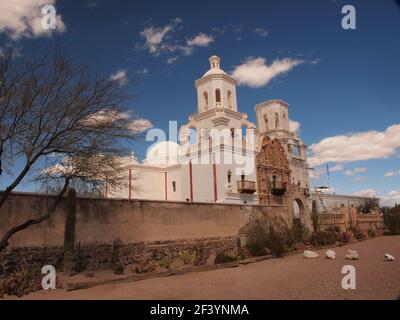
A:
69,233
314,216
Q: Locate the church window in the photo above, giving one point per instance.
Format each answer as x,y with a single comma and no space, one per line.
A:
276,120
205,96
174,186
229,175
232,133
274,181
230,99
218,96
266,121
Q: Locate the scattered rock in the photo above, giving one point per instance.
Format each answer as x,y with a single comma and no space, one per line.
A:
330,254
389,257
310,254
352,255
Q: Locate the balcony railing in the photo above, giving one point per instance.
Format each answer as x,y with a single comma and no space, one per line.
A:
244,186
278,188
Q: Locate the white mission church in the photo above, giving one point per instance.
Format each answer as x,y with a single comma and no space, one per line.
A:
216,157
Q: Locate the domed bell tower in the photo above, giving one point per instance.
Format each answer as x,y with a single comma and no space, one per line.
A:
215,89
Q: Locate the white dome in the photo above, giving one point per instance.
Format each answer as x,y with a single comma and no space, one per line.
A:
163,153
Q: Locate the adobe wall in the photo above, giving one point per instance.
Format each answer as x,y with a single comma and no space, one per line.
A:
149,230
104,220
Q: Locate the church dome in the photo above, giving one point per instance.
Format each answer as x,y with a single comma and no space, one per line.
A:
163,153
214,66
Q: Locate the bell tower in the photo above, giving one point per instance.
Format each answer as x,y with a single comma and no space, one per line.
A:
215,89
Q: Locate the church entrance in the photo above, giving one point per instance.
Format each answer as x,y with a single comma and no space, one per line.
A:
298,219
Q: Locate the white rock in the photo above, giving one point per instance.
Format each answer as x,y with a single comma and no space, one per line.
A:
310,254
352,255
330,254
389,257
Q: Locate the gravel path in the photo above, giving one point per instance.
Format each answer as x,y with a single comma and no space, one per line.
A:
292,277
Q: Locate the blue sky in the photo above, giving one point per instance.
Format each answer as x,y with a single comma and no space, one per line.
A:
337,82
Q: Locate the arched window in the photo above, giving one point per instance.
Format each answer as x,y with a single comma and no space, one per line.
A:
276,120
217,96
266,122
229,99
205,97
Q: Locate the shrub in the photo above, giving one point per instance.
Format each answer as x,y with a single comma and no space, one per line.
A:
223,257
166,262
276,242
22,282
371,233
264,236
187,257
144,267
333,228
357,234
345,237
392,220
256,249
324,238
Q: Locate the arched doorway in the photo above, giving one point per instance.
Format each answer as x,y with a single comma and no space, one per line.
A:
298,219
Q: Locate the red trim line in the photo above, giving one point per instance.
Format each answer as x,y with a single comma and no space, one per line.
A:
191,180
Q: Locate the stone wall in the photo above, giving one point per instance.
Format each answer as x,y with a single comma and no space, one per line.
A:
130,255
365,222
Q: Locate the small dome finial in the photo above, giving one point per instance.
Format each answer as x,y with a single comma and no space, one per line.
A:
214,61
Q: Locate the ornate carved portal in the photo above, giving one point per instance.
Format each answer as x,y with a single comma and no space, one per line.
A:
273,171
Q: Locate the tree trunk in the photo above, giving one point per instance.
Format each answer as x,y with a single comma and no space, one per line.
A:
69,233
4,240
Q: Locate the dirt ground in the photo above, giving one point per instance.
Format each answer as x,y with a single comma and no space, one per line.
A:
291,277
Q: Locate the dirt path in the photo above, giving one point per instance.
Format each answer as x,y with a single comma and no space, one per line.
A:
292,277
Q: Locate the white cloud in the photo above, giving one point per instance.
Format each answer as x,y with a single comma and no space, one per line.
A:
336,168
366,193
201,40
391,199
23,18
140,125
294,126
359,179
355,171
143,72
168,40
154,37
392,173
394,194
91,4
255,73
120,77
261,32
172,60
357,146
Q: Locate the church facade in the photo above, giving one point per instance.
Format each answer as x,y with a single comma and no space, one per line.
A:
221,156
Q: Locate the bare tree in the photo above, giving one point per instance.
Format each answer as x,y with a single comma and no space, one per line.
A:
55,114
367,205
